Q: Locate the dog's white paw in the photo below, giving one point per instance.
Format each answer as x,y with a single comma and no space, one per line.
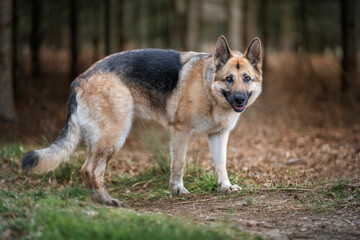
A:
179,190
227,189
114,203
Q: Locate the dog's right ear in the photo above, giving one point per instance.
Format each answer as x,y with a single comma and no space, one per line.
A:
222,53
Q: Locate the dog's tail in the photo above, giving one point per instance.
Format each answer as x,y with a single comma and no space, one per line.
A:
48,159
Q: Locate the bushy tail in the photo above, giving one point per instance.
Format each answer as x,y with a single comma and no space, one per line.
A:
48,159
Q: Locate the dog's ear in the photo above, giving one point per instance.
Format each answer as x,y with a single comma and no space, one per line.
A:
254,53
222,53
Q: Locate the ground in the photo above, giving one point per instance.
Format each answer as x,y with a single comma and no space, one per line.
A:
271,214
296,154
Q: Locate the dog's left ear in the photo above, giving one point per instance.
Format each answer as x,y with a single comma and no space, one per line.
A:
222,53
254,53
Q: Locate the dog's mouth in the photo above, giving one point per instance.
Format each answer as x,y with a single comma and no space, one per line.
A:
238,108
235,107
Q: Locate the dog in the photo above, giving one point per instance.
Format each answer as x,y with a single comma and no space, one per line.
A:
189,92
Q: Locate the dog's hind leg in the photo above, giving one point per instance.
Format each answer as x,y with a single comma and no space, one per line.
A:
105,111
113,137
85,174
96,167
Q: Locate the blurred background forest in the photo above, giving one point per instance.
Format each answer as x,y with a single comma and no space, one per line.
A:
303,131
310,71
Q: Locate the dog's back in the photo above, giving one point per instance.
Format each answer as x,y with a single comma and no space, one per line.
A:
154,72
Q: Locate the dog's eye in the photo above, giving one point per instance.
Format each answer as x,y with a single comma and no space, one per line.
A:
229,79
247,78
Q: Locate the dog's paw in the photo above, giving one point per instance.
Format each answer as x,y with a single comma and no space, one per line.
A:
114,203
227,189
111,202
179,190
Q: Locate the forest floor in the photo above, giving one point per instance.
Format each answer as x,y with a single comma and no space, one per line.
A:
298,182
296,156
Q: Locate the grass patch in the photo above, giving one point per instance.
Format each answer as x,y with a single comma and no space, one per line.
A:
56,205
39,214
204,183
156,183
336,193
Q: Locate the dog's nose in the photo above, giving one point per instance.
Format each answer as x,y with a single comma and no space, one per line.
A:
239,98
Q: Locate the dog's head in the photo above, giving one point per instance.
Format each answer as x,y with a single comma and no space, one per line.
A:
238,77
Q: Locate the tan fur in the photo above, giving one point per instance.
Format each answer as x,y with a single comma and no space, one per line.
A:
192,100
111,105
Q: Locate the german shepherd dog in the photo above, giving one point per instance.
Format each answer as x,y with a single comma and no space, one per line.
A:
189,92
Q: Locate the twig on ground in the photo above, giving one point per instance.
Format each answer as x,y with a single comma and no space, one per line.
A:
195,201
283,189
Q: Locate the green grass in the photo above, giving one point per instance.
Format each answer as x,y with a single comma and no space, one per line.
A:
57,206
39,214
155,184
338,192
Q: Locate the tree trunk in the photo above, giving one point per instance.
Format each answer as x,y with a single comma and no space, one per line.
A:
16,79
348,44
73,40
249,23
120,28
245,12
304,26
95,26
264,31
179,27
193,24
35,40
107,27
153,23
286,28
235,24
168,26
7,106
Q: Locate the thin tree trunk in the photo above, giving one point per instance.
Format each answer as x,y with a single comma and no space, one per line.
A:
286,28
264,31
168,26
95,33
179,27
163,24
73,40
304,25
7,106
348,44
15,77
245,11
152,22
193,24
235,26
35,40
250,26
121,38
107,27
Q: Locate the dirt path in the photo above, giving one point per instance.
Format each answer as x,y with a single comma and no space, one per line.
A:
271,214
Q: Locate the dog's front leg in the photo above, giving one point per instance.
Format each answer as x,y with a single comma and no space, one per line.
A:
217,145
178,146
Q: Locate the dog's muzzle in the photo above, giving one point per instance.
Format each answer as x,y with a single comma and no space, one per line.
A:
237,100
